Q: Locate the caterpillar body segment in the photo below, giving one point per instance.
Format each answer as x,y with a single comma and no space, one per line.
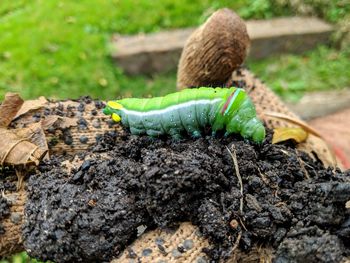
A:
190,111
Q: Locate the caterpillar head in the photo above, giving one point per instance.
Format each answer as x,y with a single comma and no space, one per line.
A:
241,117
113,108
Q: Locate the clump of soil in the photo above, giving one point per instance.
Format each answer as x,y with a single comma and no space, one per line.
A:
7,183
290,202
4,212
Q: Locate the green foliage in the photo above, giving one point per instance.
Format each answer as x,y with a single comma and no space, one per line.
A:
60,48
20,258
260,9
331,10
290,75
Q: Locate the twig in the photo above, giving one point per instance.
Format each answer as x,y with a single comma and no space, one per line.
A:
236,242
243,225
235,163
301,162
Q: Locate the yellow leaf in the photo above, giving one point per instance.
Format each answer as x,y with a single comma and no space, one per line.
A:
282,134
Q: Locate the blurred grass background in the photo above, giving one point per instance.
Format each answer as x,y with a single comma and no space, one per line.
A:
59,48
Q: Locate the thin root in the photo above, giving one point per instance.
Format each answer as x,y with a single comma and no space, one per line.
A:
234,159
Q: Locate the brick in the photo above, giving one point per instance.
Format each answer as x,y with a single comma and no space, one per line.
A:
160,52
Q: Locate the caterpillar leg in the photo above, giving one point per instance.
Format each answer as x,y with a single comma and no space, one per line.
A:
196,134
259,133
154,133
175,134
137,131
254,129
176,137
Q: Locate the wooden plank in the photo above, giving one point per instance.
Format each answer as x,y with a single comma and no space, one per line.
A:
160,52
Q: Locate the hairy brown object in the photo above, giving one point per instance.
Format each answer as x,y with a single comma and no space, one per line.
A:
213,51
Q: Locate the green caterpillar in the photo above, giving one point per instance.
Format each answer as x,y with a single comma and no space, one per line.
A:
191,111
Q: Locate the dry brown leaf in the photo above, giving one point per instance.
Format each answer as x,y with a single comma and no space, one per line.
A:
282,134
20,146
35,134
295,121
68,122
30,105
16,150
49,121
9,108
58,122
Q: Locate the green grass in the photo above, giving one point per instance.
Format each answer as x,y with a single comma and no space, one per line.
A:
20,258
60,48
291,76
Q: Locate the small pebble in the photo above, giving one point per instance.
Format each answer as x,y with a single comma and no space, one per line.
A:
159,241
47,111
82,123
111,123
141,229
83,139
96,124
16,218
98,137
176,253
188,244
181,248
67,138
198,233
81,107
146,252
37,115
51,129
36,119
77,176
132,253
201,260
99,104
86,165
162,261
162,249
53,141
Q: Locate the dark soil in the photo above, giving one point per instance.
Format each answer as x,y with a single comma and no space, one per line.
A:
291,202
4,212
7,183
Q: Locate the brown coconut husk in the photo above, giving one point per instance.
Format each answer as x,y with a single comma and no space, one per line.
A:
213,51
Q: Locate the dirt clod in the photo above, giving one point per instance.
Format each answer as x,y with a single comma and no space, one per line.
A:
92,213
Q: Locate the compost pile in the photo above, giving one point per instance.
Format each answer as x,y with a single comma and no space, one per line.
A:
91,213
